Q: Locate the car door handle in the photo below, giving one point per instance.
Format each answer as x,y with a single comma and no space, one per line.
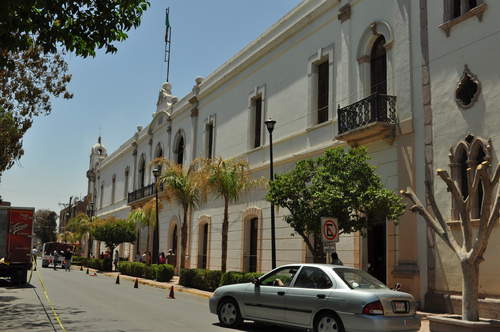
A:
320,296
281,293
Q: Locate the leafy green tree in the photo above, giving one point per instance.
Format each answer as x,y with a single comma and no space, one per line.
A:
45,225
113,231
146,217
11,145
229,180
31,33
24,94
338,184
185,187
79,26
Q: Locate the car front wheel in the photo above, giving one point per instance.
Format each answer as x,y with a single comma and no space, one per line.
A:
229,313
329,321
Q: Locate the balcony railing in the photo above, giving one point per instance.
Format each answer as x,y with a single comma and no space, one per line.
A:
368,120
144,192
374,108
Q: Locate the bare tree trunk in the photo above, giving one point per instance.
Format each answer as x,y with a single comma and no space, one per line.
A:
470,286
225,231
311,248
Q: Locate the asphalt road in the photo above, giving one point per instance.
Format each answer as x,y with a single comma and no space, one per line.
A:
84,302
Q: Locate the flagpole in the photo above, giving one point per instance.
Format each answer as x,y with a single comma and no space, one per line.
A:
168,37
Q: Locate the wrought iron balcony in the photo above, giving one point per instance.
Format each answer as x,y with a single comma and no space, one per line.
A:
142,193
368,120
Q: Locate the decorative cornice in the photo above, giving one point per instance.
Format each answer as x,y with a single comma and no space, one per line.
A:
193,100
345,13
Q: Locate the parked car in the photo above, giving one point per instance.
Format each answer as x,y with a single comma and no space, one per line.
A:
317,296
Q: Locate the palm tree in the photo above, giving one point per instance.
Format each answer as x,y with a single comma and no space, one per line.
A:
184,187
146,217
79,225
229,179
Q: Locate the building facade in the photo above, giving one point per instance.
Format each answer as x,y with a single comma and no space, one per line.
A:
330,73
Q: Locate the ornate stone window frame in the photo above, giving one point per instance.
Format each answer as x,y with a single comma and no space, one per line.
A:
467,74
323,55
450,23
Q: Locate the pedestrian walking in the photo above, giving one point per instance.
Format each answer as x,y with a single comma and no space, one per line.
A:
162,258
67,260
34,253
115,260
56,258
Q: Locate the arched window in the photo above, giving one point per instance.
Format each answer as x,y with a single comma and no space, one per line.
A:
252,240
142,172
469,153
378,67
180,150
203,246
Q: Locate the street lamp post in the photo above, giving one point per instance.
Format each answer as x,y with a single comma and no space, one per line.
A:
270,127
156,173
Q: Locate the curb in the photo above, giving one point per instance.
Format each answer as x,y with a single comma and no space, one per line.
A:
158,284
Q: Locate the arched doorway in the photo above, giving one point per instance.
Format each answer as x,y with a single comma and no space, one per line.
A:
377,249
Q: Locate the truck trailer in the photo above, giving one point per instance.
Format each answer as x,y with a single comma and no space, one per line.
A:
16,242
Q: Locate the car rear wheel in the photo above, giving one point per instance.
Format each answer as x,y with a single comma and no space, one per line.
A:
329,321
229,313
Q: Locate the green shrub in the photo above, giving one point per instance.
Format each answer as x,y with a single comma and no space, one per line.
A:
150,271
77,260
202,279
230,277
125,267
137,269
106,264
236,277
164,272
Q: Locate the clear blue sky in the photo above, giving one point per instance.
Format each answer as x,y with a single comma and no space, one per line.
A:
113,93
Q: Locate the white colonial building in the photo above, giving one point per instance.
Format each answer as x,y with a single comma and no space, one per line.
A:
387,74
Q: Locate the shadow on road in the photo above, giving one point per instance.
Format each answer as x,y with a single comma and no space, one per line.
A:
7,284
261,327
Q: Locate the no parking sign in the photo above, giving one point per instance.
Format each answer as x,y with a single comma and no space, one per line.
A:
329,229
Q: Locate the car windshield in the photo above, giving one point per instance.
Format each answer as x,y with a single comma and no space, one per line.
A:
358,279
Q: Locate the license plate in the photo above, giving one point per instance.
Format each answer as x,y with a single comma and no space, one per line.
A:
399,307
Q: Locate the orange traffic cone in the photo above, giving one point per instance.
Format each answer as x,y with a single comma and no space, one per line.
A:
118,279
136,285
87,270
171,296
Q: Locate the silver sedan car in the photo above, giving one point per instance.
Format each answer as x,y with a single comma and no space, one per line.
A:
317,296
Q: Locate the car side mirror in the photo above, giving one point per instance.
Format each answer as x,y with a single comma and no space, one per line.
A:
256,281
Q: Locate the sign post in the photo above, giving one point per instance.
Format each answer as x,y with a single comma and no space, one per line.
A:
329,234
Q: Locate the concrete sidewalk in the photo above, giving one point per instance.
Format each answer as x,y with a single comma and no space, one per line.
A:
179,288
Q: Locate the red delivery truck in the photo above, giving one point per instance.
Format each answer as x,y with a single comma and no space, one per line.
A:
16,242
